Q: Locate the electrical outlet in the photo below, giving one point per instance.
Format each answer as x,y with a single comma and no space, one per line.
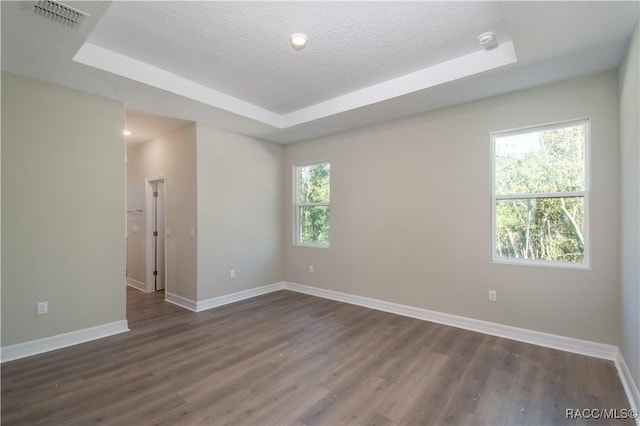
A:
232,273
311,268
43,308
492,296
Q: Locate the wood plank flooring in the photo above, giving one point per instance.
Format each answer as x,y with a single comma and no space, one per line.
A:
290,359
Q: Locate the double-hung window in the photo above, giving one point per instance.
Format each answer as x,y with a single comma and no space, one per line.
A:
312,204
540,198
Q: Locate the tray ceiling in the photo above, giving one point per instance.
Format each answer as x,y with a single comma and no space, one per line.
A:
229,64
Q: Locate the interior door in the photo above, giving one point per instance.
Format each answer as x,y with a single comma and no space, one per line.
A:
159,232
158,219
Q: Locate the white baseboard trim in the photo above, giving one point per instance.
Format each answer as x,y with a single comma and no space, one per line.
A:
35,347
630,386
567,344
183,302
584,347
138,285
203,305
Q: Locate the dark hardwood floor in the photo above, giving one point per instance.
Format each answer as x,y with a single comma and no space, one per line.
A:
291,359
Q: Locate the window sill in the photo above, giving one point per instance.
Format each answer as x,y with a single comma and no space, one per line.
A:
541,263
311,245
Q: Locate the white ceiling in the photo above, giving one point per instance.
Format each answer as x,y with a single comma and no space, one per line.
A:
242,49
229,64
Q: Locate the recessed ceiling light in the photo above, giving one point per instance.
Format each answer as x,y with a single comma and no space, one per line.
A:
126,132
298,41
488,40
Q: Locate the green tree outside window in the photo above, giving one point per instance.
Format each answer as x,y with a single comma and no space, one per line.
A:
540,190
313,210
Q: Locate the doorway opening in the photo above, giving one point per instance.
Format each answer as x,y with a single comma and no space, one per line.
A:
156,235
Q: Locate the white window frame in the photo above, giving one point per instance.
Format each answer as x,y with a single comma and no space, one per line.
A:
586,261
297,204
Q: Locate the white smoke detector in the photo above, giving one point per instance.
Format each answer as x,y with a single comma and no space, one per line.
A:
488,40
298,41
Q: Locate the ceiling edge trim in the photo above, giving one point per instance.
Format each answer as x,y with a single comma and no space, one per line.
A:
125,66
445,72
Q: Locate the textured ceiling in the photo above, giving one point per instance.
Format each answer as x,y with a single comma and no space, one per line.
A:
229,65
242,48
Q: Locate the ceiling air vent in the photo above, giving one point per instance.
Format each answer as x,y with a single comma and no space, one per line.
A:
59,12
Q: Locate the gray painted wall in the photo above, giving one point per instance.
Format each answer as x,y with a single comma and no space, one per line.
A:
63,223
411,214
630,206
172,156
240,221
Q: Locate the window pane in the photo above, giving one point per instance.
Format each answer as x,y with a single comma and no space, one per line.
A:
314,224
313,183
541,161
543,228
